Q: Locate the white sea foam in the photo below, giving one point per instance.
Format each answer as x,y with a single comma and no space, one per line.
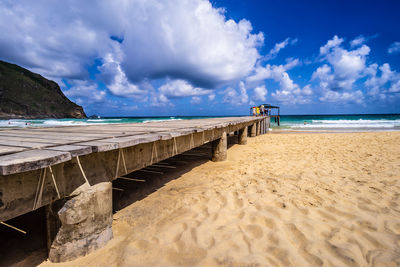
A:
146,121
349,124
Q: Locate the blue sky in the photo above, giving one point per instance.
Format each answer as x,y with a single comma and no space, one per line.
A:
195,57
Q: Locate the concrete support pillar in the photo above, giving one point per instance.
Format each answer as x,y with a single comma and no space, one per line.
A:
81,223
243,136
265,126
253,130
258,128
262,126
219,148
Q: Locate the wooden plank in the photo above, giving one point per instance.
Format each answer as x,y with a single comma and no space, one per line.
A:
25,144
82,140
56,136
10,149
44,139
31,160
74,150
99,145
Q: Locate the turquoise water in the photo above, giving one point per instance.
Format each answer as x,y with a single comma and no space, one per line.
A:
351,123
368,122
89,121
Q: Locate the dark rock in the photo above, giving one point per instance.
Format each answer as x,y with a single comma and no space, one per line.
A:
24,94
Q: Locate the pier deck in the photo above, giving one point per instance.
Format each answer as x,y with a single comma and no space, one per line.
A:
50,166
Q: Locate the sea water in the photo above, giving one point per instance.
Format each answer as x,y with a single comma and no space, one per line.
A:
320,123
339,123
90,121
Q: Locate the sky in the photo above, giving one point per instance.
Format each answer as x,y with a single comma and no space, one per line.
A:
218,57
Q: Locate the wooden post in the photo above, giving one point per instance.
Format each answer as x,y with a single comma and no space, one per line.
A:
219,148
243,136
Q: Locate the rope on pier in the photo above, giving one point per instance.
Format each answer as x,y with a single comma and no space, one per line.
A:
13,227
174,148
191,141
80,167
116,169
54,182
39,189
123,159
152,152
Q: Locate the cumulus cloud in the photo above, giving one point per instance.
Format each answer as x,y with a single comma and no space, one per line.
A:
135,41
345,66
56,39
115,78
235,97
181,88
211,97
188,40
381,80
259,93
342,69
394,48
274,72
84,91
289,91
344,97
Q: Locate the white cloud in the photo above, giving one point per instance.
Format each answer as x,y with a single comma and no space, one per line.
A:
85,92
234,97
381,80
278,47
160,100
345,66
179,39
195,100
395,87
259,93
274,72
293,96
188,40
181,88
394,48
115,78
211,97
335,42
359,40
289,92
344,97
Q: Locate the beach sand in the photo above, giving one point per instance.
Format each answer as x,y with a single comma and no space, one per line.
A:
280,200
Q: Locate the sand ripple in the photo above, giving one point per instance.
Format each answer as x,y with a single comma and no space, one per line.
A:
281,200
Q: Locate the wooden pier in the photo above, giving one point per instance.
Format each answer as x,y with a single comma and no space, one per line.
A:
69,170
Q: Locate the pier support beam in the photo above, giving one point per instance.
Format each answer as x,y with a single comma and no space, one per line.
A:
219,148
81,223
253,130
243,136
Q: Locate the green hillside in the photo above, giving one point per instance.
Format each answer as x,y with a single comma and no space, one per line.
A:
24,94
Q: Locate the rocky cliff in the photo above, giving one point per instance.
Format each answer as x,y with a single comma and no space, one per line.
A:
24,94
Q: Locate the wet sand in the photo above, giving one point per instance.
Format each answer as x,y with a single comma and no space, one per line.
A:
281,200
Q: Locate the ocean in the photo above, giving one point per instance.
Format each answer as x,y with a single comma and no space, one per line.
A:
319,123
339,123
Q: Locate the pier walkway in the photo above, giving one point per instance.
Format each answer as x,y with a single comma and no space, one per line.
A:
69,170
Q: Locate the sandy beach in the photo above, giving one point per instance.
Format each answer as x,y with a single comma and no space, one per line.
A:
280,200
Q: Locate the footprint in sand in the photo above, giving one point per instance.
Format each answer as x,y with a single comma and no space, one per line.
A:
299,241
